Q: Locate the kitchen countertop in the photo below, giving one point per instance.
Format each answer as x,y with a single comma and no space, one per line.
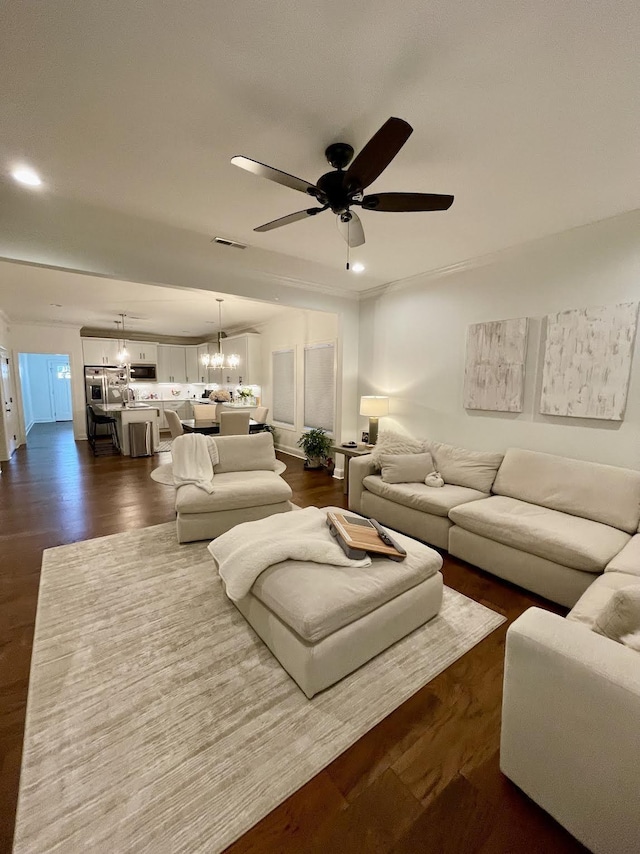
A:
118,407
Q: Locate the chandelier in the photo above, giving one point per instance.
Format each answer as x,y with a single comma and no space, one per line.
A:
216,361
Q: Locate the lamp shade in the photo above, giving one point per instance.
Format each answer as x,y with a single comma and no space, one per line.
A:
374,406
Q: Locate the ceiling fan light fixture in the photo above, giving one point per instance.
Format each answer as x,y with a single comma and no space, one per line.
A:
358,267
27,176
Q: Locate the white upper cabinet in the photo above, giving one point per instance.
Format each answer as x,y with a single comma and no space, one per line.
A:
142,352
171,364
100,351
193,366
247,348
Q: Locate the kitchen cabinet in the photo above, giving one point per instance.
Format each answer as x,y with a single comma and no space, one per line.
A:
142,352
171,364
203,373
247,348
100,351
192,365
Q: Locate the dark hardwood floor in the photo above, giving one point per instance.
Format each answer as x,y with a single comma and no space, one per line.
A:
426,779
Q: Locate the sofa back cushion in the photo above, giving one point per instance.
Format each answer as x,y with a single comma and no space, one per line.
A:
606,494
391,442
462,467
245,453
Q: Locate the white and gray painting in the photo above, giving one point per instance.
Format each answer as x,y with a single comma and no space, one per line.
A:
587,361
494,370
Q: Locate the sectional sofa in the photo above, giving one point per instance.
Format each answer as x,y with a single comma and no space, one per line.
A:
547,523
567,530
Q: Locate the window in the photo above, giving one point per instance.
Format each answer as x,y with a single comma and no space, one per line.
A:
284,387
63,372
319,386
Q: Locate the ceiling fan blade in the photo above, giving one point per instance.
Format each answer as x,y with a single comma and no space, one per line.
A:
377,153
272,174
407,202
352,230
285,220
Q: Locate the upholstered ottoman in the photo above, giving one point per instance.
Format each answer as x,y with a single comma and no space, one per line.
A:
322,622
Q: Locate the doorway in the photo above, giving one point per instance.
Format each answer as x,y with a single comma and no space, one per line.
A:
45,380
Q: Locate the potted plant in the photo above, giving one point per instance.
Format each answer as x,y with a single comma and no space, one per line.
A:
316,445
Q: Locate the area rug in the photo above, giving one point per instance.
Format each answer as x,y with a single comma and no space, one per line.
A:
158,721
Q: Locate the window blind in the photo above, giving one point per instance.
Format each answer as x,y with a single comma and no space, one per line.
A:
284,386
319,386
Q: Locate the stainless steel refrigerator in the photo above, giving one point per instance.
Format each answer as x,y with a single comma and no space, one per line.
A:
105,385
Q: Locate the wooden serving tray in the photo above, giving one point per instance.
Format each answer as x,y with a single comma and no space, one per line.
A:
361,537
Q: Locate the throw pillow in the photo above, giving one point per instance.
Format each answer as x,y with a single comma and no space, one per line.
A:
406,468
390,442
620,617
434,479
462,467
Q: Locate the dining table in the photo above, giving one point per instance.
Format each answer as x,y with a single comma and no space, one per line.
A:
210,427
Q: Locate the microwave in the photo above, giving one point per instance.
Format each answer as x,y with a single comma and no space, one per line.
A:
144,373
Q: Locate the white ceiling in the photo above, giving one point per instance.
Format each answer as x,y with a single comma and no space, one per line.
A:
526,112
41,295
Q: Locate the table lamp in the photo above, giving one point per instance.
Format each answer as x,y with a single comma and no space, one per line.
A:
374,407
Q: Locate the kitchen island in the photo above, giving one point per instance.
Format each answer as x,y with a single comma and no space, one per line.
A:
132,414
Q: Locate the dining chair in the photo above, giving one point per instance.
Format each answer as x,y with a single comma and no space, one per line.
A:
204,411
260,414
234,423
173,420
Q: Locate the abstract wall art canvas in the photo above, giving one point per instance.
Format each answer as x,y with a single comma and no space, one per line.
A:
587,361
494,370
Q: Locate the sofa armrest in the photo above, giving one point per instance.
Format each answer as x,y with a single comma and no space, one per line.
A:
359,468
570,732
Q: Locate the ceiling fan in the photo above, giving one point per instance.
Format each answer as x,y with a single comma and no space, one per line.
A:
340,189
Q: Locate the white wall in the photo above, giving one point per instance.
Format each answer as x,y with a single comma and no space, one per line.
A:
25,386
304,327
64,340
412,341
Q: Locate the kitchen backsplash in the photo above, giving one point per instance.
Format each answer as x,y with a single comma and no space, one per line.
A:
183,391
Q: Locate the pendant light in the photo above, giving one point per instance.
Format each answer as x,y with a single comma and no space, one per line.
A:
123,355
216,361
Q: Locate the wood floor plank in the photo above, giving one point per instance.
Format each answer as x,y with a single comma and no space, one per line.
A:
373,822
297,822
458,821
442,742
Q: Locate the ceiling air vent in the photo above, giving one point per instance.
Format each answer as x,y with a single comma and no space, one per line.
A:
224,241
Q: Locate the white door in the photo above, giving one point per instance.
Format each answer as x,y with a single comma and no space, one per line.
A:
60,389
9,404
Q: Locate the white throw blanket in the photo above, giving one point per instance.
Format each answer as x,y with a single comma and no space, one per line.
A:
194,457
251,547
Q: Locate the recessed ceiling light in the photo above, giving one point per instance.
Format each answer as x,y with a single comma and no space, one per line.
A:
26,175
357,267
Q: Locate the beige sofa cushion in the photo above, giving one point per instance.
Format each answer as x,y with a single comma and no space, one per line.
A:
628,560
597,595
567,540
419,496
462,467
233,491
316,600
605,494
406,468
245,453
391,442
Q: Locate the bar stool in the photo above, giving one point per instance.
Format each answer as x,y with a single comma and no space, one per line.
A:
93,420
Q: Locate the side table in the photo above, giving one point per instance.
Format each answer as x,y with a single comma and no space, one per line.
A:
348,453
